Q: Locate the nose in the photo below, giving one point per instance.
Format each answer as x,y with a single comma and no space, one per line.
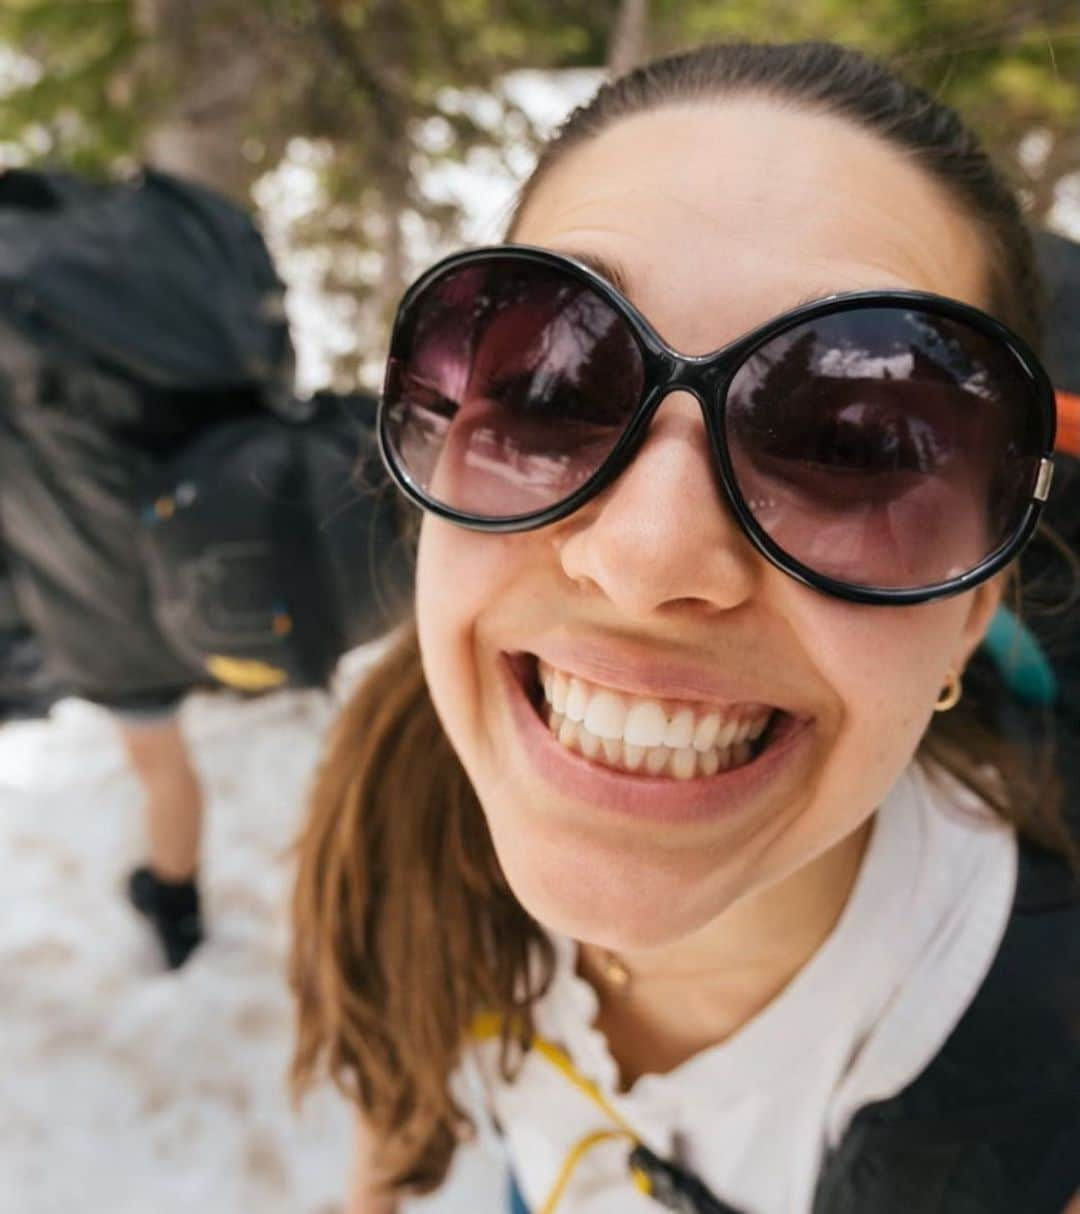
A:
663,534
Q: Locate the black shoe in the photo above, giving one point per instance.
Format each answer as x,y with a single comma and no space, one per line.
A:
172,907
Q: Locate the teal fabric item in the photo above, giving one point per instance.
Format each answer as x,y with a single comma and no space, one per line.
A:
1020,659
517,1202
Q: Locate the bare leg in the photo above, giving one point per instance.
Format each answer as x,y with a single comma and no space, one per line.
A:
172,795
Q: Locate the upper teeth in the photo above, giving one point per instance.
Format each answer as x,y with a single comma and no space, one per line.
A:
639,721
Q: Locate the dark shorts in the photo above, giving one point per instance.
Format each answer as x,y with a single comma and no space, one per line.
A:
143,708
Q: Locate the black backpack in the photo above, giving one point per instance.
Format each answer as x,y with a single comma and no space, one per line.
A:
144,349
155,282
271,548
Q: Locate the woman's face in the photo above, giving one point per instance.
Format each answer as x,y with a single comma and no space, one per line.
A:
718,217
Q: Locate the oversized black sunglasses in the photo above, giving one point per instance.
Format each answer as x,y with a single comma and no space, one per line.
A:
882,446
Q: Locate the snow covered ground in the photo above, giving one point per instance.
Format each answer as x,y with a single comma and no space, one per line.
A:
125,1089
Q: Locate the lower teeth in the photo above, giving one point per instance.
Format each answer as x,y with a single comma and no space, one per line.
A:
685,764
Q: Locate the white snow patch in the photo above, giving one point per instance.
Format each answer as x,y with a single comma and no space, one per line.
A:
126,1088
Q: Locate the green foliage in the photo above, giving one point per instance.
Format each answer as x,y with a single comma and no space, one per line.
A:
380,88
76,112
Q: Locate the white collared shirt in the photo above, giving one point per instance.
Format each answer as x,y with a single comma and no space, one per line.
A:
754,1115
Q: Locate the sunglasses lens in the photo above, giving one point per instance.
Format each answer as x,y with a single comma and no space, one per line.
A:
885,447
509,384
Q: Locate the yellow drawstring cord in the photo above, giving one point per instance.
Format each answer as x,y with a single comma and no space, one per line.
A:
489,1025
570,1163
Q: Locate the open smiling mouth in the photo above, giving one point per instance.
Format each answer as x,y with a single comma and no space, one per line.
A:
673,739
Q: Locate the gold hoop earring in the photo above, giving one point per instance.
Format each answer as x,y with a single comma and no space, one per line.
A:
950,693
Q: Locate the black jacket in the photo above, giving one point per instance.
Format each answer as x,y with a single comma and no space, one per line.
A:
992,1125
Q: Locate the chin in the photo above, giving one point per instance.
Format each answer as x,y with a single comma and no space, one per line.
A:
617,901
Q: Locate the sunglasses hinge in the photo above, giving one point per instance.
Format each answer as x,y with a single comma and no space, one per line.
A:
1044,479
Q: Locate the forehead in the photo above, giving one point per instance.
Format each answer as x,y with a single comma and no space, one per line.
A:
720,215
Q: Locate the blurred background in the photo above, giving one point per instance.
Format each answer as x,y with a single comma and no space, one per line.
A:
372,134
366,137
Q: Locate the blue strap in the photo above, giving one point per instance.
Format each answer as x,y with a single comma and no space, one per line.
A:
1020,659
517,1202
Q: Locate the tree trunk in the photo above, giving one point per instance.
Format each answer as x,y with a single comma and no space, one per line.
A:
630,37
209,66
378,65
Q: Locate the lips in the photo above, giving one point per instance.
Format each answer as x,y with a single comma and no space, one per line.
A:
637,668
781,765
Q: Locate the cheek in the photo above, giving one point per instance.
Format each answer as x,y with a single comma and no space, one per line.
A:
460,575
886,667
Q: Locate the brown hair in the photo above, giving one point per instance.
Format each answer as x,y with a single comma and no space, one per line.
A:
404,926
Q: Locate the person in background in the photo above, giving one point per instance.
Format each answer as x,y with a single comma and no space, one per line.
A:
165,888
69,506
664,851
134,315
173,516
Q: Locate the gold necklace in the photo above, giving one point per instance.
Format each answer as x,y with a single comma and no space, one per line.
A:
615,970
619,976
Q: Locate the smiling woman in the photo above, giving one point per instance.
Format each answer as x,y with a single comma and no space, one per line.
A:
663,845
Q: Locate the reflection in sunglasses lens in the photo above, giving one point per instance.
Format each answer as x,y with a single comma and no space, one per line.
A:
509,387
884,447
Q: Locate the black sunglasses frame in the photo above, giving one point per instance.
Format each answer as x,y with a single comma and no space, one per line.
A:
708,377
